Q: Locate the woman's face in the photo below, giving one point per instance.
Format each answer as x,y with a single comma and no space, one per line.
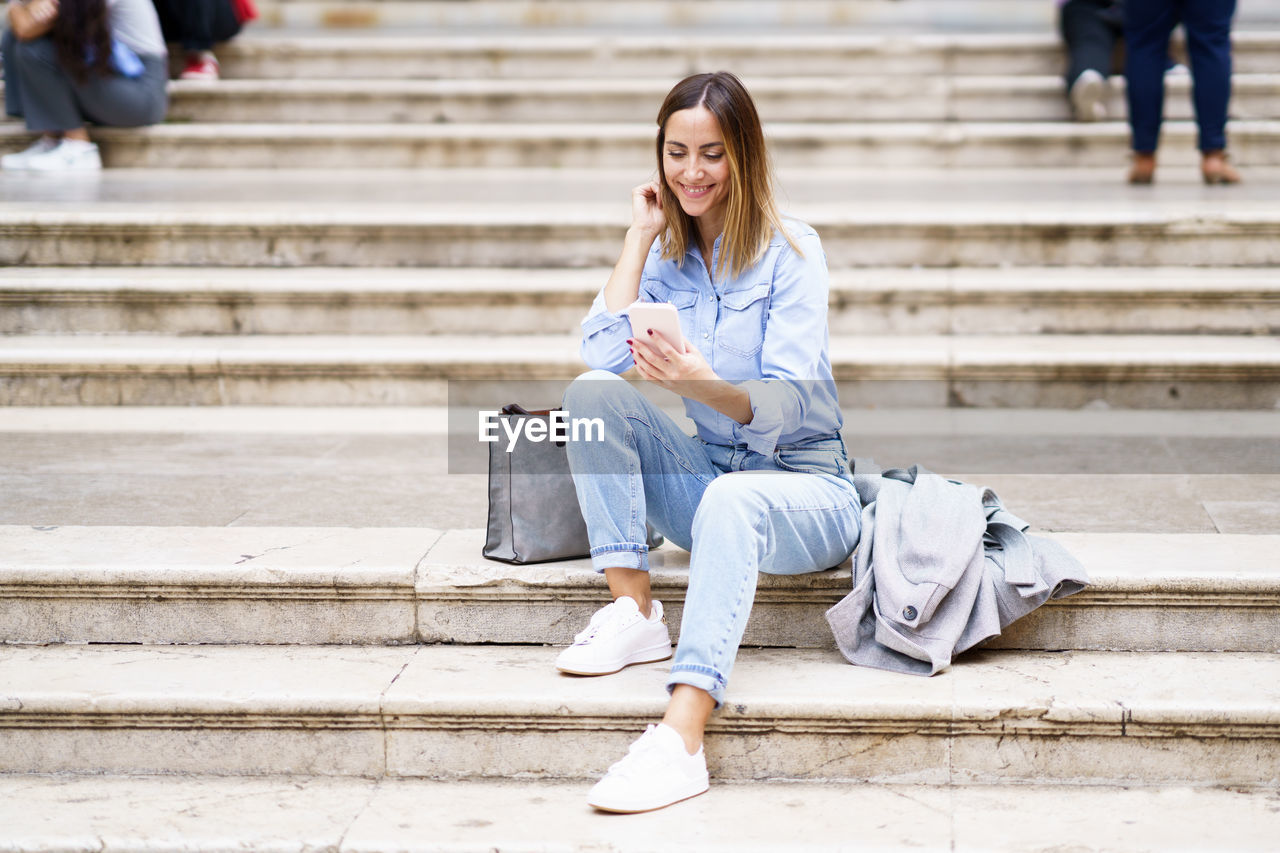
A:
694,162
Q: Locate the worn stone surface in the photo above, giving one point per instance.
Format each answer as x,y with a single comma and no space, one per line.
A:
430,54
1152,592
890,145
209,585
387,585
1006,18
1244,516
1002,371
588,235
236,709
180,467
134,813
788,98
380,300
1117,503
460,712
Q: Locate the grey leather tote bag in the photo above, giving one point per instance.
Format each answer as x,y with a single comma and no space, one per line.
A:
533,507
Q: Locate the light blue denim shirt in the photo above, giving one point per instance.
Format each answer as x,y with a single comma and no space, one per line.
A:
765,330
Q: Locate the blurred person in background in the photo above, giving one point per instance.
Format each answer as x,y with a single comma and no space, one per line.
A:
71,62
1148,25
197,25
1091,30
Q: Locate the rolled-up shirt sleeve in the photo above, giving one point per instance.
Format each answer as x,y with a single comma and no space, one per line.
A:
795,338
604,338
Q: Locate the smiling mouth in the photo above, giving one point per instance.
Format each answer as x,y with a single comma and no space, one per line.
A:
696,192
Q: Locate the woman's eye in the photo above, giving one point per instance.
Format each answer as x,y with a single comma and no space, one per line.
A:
714,157
675,155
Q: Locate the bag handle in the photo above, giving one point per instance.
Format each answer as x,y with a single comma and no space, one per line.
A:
517,409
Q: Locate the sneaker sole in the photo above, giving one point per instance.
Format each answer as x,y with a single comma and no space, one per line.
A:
636,810
62,170
647,656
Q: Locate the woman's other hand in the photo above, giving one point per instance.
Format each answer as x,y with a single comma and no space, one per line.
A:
646,210
647,223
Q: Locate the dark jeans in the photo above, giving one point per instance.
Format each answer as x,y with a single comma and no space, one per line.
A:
40,91
1090,31
1147,27
197,24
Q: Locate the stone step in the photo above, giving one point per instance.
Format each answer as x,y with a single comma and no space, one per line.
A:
1088,470
661,15
1150,592
372,301
789,99
899,145
448,712
209,814
930,231
1063,371
361,55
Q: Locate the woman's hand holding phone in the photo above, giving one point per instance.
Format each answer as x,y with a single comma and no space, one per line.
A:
663,363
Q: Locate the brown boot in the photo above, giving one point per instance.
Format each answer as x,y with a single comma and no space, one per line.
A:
1216,170
1143,170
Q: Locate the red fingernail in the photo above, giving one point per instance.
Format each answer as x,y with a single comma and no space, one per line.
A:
650,331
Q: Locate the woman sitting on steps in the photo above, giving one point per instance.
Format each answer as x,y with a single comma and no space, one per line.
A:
765,485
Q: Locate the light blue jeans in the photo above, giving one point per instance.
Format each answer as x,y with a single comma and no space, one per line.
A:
736,511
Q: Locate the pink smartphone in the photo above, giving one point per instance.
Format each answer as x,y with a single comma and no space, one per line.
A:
662,317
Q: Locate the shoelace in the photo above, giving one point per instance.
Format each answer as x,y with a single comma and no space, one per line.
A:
606,616
644,754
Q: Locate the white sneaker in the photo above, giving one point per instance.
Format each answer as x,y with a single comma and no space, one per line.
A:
1089,96
15,162
656,772
616,637
69,155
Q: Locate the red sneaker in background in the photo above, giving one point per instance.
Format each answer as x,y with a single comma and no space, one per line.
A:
201,68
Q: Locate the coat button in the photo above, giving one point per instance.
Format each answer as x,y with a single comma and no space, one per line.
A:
909,613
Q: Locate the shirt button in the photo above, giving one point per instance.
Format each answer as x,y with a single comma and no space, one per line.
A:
706,334
909,613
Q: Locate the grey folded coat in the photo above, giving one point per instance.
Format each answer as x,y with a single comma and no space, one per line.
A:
940,567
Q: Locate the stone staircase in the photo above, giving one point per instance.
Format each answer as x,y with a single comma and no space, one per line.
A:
267,625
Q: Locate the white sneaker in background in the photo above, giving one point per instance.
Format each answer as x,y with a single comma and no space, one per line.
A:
1089,96
656,772
18,161
617,636
69,155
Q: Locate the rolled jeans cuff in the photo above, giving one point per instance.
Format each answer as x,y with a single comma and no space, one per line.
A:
696,675
620,555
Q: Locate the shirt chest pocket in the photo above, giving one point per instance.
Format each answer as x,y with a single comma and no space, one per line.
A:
685,301
743,314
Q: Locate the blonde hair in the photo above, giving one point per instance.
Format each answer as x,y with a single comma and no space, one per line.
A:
751,214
